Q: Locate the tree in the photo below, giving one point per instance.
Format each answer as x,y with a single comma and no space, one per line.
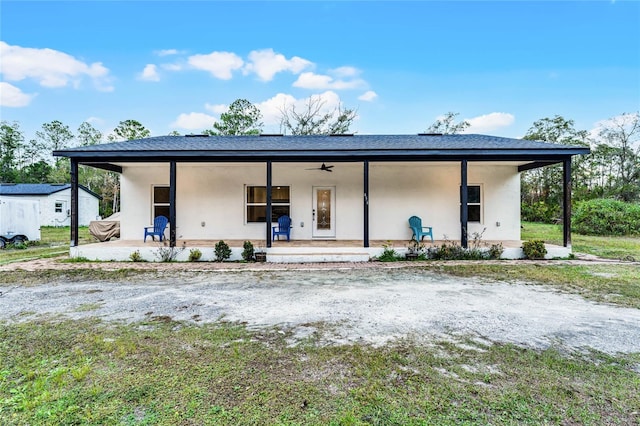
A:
313,121
53,136
37,172
446,125
542,187
128,130
11,141
88,135
621,133
243,118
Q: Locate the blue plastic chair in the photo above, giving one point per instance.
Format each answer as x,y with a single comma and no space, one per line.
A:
419,231
159,224
283,228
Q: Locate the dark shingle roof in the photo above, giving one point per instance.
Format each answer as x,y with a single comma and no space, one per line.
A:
38,189
293,148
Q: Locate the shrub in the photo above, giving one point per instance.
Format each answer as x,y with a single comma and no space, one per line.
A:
248,251
606,217
453,251
168,254
194,255
495,251
534,249
222,251
136,256
539,212
388,254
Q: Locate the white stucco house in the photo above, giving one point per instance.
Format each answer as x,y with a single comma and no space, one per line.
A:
55,201
354,191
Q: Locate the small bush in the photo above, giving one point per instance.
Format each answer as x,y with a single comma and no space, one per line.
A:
389,254
495,251
194,255
248,251
534,249
222,251
606,217
136,256
453,251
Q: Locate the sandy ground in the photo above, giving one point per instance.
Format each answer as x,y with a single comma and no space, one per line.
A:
370,303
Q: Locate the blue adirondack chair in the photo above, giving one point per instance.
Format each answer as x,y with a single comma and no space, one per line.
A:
283,228
159,224
419,231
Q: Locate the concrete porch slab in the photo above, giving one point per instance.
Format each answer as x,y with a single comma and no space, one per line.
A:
295,251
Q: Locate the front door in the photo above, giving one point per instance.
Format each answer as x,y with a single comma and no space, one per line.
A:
324,212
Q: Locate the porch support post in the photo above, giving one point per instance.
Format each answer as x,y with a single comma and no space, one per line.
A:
365,219
74,203
172,203
267,218
566,208
464,200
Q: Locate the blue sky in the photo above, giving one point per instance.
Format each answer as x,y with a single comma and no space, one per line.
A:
177,65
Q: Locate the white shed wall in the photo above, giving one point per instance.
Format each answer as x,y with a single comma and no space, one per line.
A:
88,207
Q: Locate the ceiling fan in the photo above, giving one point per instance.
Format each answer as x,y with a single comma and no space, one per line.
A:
324,167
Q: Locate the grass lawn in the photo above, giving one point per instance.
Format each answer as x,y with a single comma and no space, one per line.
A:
607,247
167,373
54,242
55,371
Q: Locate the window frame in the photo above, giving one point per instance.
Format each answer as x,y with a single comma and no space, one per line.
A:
480,203
247,204
61,208
159,204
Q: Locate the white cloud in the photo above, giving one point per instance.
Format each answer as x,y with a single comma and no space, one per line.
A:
96,120
193,121
272,108
150,73
11,96
50,68
266,63
309,80
345,72
489,122
172,67
617,122
220,64
217,108
368,96
168,52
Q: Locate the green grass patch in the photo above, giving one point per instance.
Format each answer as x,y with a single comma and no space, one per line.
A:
33,278
607,247
54,242
166,373
611,283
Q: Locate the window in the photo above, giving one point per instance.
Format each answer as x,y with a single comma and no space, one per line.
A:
474,203
256,203
160,201
59,206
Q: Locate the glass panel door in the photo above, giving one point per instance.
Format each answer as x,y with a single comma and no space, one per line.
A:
324,220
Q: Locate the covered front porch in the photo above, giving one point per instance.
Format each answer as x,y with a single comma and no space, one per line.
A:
294,251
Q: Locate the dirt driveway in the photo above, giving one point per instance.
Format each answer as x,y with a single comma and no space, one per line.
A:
372,305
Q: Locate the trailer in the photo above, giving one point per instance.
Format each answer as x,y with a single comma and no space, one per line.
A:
19,221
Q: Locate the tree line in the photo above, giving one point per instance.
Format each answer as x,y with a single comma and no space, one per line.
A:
612,170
